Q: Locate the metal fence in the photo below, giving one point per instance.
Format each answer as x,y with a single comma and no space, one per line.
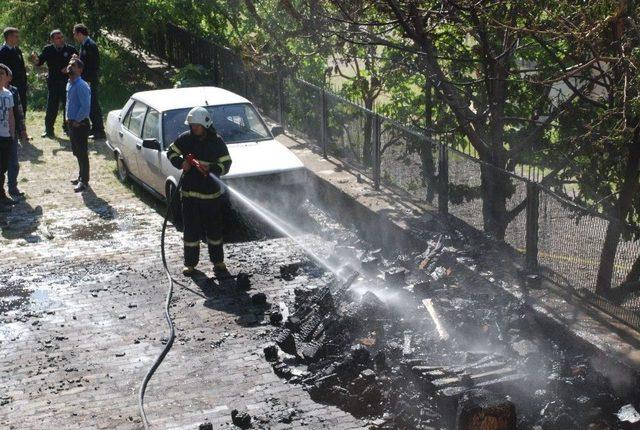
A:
553,236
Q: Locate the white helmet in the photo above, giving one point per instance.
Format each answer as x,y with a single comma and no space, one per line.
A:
199,115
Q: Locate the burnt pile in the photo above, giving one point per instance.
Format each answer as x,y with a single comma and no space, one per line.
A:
419,343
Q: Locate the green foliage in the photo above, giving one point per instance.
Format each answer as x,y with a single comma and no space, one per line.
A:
192,75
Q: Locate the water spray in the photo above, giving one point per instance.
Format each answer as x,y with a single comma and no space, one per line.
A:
269,217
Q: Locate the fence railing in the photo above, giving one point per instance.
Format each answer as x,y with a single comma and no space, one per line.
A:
551,235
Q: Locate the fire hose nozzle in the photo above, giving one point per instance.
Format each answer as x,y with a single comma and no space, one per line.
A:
195,163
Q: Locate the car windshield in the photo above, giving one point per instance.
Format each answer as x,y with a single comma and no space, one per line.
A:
236,123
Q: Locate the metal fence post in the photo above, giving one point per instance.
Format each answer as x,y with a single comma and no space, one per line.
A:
377,127
533,199
281,99
245,82
216,66
443,179
323,122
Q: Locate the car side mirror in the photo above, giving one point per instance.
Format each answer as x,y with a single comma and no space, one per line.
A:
151,144
276,130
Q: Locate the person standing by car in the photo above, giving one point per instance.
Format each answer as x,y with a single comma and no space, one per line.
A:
57,56
78,109
90,57
20,130
200,194
7,130
11,56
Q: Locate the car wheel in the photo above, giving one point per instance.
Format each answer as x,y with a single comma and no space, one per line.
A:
123,172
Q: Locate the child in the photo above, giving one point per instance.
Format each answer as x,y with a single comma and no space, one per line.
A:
7,130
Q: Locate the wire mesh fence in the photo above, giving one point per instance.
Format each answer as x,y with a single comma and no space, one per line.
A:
548,230
262,89
303,110
349,134
465,189
409,161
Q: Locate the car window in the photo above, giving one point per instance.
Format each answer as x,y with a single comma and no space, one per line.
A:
151,128
127,117
234,123
134,118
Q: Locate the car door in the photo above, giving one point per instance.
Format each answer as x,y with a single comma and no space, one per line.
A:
150,160
131,141
126,146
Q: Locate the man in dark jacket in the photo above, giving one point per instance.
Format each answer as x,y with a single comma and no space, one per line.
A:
200,194
11,55
90,57
57,56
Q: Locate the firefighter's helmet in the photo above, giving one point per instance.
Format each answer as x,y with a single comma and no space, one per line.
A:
199,115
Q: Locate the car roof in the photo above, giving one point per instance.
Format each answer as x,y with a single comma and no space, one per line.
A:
181,98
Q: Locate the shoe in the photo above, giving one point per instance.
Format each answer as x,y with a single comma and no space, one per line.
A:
74,181
80,187
188,271
100,135
6,201
16,193
48,134
220,271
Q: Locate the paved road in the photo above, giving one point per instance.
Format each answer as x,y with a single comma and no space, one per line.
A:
81,294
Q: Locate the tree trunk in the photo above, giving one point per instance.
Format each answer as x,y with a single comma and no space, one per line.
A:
426,150
623,205
632,281
495,191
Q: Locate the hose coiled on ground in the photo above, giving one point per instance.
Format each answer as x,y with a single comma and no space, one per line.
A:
167,315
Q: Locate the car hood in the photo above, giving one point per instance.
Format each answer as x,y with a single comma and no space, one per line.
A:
261,158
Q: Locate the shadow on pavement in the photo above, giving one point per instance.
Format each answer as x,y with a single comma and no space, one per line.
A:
30,152
98,205
21,222
224,296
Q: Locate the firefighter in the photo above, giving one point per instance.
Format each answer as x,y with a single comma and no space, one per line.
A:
200,194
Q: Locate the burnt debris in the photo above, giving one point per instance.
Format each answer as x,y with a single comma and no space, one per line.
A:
241,419
420,343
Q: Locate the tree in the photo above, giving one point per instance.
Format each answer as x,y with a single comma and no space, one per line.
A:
609,167
494,65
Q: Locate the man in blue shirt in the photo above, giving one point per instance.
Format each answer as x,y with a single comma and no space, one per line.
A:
78,109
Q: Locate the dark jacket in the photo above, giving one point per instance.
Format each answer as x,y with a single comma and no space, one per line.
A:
90,56
210,150
13,58
17,112
56,60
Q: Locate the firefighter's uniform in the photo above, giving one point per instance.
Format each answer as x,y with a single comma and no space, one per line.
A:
201,202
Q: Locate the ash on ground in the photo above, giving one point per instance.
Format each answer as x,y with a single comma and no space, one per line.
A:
423,342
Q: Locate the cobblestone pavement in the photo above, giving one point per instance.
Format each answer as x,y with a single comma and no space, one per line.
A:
81,297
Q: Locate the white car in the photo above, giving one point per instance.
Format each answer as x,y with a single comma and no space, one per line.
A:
140,133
